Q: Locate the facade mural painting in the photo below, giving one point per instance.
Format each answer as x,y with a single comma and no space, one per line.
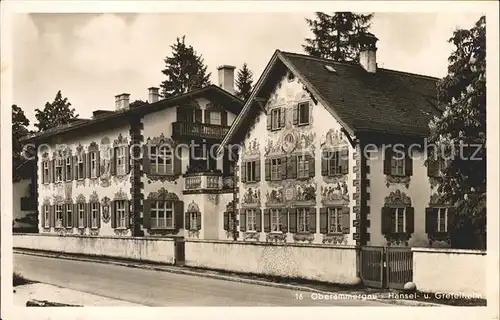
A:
335,192
251,198
214,198
397,180
162,140
193,220
106,209
251,149
397,218
105,163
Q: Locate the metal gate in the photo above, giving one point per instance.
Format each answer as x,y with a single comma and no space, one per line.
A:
386,267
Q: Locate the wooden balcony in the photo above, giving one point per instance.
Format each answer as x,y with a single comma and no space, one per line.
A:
190,130
207,182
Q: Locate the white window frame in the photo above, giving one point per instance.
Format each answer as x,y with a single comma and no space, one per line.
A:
299,117
439,216
80,167
120,160
334,220
81,214
302,220
69,213
215,118
93,164
398,164
276,169
275,220
94,214
45,171
334,163
251,217
162,160
46,214
250,170
193,220
162,214
69,173
58,215
302,166
399,212
275,118
59,167
120,214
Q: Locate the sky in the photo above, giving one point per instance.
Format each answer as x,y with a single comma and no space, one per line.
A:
93,57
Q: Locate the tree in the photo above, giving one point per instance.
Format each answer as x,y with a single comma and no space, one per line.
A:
19,129
244,82
337,36
460,135
55,114
185,70
137,103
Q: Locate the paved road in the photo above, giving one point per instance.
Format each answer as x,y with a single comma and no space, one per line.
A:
157,288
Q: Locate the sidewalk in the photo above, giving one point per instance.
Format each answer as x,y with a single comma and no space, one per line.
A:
381,295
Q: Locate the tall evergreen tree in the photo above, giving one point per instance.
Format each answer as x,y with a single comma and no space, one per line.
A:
337,36
19,129
55,114
244,82
460,134
185,70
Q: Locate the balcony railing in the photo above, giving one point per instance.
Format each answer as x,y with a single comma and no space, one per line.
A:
201,130
202,181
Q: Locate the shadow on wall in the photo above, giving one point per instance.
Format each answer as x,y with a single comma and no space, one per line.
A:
26,224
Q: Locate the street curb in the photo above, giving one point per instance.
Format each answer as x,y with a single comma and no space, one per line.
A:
173,269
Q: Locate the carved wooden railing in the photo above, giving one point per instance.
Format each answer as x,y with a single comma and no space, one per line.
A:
203,130
202,181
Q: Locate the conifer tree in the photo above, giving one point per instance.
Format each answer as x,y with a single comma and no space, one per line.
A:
55,114
244,82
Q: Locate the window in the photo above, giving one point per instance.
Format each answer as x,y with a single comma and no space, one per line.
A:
302,167
250,174
80,167
275,220
59,170
399,220
275,118
45,172
162,160
120,161
334,163
94,207
69,215
120,214
69,176
251,217
442,219
398,165
193,221
334,220
162,214
81,215
275,169
46,216
215,117
303,113
59,216
303,219
93,164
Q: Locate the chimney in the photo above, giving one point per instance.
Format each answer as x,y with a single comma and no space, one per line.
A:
154,96
226,78
122,101
368,52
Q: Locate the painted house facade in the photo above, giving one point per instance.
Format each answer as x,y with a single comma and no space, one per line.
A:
334,153
140,171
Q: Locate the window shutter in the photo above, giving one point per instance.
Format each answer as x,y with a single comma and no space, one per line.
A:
408,164
387,161
324,163
207,117
312,220
291,163
223,118
344,160
85,165
177,161
258,220
146,162
64,216
292,223
257,170
51,216
243,221
451,218
283,167
269,120
284,220
282,117
432,168
295,114
98,215
386,220
146,214
198,115
323,220
267,169
179,214
198,220
75,167
430,221
86,215
346,220
187,225
113,214
410,219
126,149
127,214
64,170
226,221
75,215
43,216
98,163
243,171
312,165
51,171
267,221
113,161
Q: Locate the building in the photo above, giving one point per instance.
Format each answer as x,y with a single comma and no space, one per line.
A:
312,166
140,171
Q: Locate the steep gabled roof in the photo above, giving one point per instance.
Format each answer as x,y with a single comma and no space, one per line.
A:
386,101
229,102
